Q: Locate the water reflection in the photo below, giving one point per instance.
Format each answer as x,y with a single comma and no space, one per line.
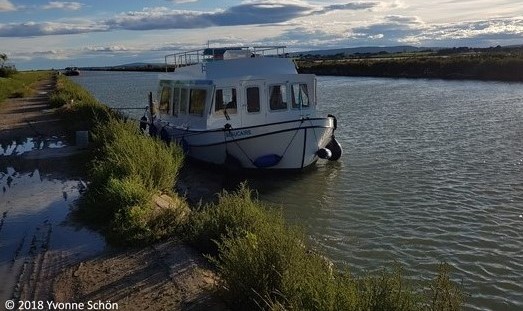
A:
23,145
35,204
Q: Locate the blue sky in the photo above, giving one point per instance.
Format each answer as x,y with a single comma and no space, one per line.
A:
55,34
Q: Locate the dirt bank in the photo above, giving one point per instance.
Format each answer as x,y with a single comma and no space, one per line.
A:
166,276
44,262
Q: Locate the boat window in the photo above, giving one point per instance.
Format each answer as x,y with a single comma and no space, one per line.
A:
183,100
253,99
176,101
225,98
300,96
197,101
165,99
278,97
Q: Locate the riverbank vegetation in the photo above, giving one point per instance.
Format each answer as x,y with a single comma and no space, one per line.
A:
502,64
128,172
21,84
262,262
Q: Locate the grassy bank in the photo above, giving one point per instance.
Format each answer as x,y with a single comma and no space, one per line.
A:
21,84
494,67
128,172
262,262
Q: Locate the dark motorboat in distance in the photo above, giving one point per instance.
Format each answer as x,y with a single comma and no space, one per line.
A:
72,71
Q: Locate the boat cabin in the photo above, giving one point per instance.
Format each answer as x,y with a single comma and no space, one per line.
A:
240,91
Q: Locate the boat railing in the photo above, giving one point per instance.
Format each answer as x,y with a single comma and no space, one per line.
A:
209,54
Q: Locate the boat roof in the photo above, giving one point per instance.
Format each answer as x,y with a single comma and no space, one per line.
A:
234,68
229,63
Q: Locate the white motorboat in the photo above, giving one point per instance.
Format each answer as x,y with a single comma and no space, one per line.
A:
242,107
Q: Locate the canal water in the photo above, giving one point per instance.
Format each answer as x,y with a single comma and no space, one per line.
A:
432,172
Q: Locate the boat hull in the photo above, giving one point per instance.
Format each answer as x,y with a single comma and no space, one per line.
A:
283,145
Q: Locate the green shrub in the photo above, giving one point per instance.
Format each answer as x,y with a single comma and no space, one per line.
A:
124,151
235,212
7,71
128,170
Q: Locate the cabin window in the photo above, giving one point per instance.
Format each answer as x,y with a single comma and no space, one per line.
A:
165,99
253,99
197,101
300,96
176,101
183,100
278,97
225,98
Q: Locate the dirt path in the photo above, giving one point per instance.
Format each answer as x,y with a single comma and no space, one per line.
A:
39,265
30,116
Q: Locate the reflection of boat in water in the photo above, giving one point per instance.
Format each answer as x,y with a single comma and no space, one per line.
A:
232,106
72,71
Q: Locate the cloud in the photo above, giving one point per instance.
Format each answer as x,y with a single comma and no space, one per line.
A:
248,13
70,6
159,18
397,29
393,29
6,6
32,29
492,32
353,6
109,49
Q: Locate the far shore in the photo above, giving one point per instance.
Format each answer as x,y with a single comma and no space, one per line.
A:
492,65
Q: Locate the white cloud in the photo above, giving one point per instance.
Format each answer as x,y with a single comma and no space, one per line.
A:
31,29
6,5
55,5
111,49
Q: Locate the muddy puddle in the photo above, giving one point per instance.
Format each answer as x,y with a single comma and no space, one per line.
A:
40,181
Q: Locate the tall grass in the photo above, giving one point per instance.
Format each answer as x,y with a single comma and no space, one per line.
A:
127,171
21,84
265,264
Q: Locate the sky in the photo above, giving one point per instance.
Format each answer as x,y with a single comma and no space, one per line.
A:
56,34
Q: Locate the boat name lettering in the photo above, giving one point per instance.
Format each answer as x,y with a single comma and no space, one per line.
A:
234,134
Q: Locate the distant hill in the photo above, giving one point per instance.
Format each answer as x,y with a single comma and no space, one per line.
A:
363,50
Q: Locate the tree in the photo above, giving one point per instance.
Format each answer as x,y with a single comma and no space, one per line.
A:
5,70
3,59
